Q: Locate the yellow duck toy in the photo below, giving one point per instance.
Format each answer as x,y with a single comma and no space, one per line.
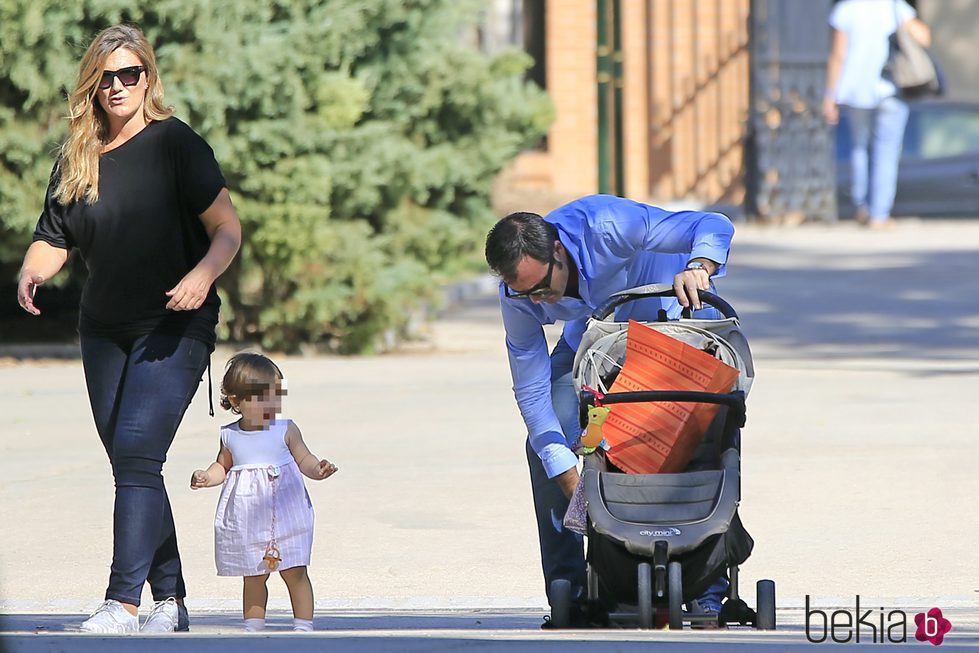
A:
593,432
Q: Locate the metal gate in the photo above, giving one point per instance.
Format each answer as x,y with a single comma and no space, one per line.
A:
790,167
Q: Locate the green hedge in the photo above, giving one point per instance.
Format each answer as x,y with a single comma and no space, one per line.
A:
360,140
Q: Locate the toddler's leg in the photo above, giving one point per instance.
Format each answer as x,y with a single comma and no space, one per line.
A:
255,596
301,595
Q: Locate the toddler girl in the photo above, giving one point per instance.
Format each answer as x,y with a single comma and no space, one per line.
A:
264,519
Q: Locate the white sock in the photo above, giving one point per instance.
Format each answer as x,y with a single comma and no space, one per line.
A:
254,625
302,625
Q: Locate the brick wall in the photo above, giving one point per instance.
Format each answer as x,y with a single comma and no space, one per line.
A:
699,98
685,95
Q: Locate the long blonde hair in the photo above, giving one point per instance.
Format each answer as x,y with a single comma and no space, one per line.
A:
88,126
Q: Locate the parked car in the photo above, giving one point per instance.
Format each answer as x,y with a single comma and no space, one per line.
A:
939,171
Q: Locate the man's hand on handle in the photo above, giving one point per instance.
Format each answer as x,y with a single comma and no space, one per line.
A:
689,281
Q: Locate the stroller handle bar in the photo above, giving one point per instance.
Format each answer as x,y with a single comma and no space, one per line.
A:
660,290
733,400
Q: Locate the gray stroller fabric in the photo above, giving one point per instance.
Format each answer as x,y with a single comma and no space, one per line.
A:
603,347
602,350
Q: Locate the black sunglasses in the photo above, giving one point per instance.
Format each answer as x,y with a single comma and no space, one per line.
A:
128,76
540,290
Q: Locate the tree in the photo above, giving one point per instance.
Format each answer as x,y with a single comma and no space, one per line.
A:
359,140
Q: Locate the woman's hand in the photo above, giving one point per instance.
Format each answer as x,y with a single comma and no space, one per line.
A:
41,262
192,290
224,230
26,287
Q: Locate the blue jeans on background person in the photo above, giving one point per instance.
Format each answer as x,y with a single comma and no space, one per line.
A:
877,137
562,550
139,392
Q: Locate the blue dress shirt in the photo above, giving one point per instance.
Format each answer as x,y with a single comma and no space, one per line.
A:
616,244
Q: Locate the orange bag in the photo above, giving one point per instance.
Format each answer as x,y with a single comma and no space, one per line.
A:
651,437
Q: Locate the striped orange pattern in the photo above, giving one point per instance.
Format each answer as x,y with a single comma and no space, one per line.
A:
648,438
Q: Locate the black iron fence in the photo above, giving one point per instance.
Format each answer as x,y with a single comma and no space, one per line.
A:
789,171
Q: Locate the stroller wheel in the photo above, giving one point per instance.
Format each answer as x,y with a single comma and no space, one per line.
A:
645,595
766,605
560,603
674,586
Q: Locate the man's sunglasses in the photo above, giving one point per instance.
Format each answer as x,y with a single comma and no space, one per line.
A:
542,289
128,76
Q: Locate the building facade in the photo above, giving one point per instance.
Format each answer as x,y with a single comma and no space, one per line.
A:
650,96
653,97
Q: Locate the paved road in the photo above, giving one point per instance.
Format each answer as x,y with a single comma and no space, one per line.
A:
860,451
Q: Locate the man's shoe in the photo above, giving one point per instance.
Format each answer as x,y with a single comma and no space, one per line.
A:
589,615
705,606
111,617
163,618
183,619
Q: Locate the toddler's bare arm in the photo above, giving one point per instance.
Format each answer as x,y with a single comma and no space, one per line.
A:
309,465
215,473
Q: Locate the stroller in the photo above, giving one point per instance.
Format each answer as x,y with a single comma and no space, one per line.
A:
659,540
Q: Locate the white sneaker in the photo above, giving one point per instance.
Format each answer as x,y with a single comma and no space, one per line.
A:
111,617
162,618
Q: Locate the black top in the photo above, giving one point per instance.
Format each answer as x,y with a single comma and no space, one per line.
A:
143,235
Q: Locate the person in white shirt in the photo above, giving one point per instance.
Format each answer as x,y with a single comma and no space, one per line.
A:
875,113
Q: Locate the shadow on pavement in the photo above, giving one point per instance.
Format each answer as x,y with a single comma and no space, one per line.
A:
915,306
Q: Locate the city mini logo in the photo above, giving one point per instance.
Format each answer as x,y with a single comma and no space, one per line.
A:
843,626
932,626
661,532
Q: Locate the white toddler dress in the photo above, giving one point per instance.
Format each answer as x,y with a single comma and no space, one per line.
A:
263,468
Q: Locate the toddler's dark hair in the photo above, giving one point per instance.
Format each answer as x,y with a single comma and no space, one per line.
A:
247,375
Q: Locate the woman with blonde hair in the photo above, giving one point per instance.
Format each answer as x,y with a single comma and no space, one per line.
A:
141,197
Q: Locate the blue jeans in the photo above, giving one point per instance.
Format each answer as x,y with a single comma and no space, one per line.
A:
139,391
877,136
561,550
